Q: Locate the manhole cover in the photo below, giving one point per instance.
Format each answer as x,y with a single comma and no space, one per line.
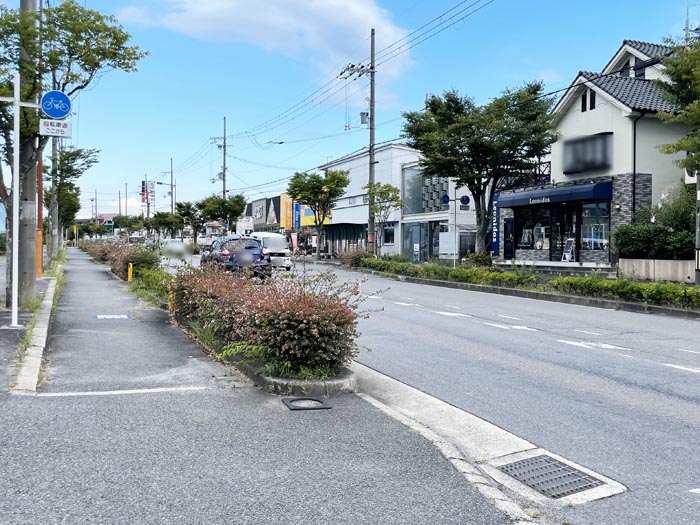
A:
304,403
549,476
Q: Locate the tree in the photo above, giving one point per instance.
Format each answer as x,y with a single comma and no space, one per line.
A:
67,165
683,91
484,148
191,216
167,221
387,198
78,46
226,210
68,202
320,193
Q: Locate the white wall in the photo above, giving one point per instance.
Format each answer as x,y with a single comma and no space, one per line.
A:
606,117
665,174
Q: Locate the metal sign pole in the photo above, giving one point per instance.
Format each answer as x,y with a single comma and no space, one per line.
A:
15,207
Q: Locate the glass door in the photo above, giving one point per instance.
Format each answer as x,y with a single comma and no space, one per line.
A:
564,228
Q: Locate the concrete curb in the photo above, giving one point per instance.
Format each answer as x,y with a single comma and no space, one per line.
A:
345,383
609,304
30,367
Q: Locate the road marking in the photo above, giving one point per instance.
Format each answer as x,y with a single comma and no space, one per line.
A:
606,346
585,332
408,298
573,343
102,317
695,491
509,317
450,306
451,314
525,328
626,355
697,371
688,351
124,392
372,296
405,304
495,325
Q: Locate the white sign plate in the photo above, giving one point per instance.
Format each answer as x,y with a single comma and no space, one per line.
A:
54,128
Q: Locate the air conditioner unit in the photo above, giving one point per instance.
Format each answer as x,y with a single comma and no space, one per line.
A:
691,176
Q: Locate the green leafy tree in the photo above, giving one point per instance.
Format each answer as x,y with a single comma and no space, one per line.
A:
320,193
68,202
79,45
191,216
167,222
485,148
683,91
387,198
70,163
226,210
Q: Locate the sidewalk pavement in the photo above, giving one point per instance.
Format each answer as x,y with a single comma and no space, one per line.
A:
135,423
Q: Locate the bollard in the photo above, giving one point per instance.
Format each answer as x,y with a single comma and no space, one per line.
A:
130,274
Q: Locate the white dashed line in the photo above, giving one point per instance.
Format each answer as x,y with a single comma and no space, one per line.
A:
585,332
688,351
695,491
697,371
450,306
374,296
501,326
509,317
405,304
451,314
626,355
407,298
525,328
573,343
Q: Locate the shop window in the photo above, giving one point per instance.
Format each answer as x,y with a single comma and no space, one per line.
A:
389,235
595,226
532,228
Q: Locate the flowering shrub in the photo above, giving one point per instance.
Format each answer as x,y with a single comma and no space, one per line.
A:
295,323
119,254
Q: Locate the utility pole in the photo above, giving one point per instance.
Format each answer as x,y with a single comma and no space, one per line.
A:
120,202
148,197
223,174
126,199
96,218
697,228
359,70
172,187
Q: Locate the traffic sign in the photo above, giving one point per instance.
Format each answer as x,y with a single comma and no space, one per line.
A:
54,128
464,200
55,104
446,199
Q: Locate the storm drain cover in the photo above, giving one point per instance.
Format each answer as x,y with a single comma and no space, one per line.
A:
305,403
549,476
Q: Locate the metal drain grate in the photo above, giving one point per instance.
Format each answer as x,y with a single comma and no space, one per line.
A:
549,476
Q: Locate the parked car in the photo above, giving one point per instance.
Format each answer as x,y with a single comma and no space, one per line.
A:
173,248
276,246
237,252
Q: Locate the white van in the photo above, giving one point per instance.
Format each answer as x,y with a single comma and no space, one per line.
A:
276,245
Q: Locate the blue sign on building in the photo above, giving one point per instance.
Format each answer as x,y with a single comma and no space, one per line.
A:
297,216
495,219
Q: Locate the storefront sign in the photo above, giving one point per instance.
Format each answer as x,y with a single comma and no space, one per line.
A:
495,220
540,200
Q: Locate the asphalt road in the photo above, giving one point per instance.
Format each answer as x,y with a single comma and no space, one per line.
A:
616,392
135,424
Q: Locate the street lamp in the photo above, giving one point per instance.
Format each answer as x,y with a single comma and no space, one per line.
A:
172,195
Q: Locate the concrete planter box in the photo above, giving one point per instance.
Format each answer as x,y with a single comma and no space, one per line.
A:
659,270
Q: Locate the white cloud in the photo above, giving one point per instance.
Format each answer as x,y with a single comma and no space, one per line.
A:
326,33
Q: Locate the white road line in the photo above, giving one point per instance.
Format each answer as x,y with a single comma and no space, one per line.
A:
697,371
405,304
124,392
688,351
626,355
573,343
509,317
695,491
373,296
606,346
525,328
450,306
408,298
498,326
585,332
451,314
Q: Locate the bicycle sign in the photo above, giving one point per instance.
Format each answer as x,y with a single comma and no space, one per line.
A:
55,104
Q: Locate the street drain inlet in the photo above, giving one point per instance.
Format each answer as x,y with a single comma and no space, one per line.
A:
550,477
305,403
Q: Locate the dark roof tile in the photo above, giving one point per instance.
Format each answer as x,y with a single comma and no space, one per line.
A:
649,49
635,93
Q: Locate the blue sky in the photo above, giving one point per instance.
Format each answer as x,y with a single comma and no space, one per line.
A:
254,61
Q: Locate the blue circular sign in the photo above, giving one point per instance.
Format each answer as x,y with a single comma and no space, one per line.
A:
445,199
55,104
464,199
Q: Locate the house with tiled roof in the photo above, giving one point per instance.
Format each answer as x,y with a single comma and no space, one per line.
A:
604,166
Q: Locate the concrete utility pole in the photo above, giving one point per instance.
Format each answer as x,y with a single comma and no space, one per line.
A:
697,228
126,199
172,189
359,70
223,173
26,277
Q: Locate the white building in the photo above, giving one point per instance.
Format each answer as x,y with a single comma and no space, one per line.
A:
604,166
423,229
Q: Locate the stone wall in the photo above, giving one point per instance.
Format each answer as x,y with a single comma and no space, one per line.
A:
595,256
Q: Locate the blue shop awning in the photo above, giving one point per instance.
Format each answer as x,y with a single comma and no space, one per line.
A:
597,191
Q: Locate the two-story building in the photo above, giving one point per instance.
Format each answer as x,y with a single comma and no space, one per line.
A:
605,165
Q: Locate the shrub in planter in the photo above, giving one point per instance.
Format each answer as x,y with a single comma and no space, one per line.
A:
351,258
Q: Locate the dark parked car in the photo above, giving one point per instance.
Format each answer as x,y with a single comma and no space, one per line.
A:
238,252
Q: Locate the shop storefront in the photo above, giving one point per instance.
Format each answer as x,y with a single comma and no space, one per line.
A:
566,222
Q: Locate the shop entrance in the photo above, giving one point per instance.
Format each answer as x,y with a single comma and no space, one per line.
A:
563,227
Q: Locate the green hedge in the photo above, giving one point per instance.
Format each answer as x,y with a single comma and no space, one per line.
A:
652,241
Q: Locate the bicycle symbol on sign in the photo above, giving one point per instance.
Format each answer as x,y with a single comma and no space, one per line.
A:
53,104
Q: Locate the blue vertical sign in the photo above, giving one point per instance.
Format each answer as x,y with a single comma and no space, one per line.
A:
297,216
495,230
